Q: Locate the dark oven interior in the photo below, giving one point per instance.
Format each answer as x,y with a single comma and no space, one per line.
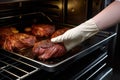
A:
90,60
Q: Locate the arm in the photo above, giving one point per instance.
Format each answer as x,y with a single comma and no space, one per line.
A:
106,18
109,16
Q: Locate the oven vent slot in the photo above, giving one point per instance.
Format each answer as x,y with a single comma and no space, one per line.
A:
12,69
53,8
9,9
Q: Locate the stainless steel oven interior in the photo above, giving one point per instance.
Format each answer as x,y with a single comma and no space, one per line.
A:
89,61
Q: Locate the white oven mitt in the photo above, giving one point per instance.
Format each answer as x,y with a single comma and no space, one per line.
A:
75,36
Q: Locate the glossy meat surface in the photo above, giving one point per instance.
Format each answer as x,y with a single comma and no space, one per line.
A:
43,30
18,41
45,49
5,31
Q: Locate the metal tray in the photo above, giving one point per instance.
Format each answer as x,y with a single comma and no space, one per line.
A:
80,51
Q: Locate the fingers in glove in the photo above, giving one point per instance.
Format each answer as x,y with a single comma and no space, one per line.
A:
66,36
57,39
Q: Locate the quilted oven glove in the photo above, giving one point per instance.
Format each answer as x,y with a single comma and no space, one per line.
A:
77,35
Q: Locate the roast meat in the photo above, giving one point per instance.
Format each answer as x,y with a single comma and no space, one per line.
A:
18,41
5,31
45,49
43,30
59,32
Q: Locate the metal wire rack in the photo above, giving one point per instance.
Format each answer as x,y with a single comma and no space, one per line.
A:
14,69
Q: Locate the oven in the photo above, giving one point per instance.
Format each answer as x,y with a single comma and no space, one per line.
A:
91,60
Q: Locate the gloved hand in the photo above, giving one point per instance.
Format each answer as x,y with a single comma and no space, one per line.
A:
75,36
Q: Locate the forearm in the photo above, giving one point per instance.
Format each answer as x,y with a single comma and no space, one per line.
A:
109,16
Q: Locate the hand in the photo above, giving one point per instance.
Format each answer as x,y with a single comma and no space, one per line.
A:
75,36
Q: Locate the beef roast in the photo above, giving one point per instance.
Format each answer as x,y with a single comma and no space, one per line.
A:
45,49
18,41
43,30
5,31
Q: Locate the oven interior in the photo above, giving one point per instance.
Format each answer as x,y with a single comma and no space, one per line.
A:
88,61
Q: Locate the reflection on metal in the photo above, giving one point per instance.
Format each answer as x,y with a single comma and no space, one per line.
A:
76,11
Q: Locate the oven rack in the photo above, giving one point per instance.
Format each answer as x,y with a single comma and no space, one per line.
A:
14,69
